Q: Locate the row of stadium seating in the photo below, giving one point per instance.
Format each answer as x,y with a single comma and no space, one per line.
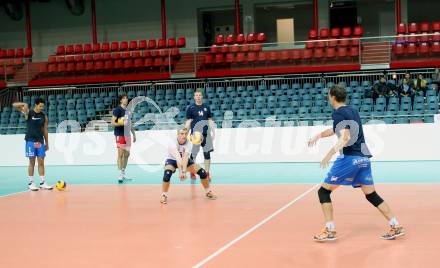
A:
16,53
290,103
334,37
120,46
240,39
412,49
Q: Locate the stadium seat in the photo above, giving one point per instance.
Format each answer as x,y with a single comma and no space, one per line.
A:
413,28
401,28
123,46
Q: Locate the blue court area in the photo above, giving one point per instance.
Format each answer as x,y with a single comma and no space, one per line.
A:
14,179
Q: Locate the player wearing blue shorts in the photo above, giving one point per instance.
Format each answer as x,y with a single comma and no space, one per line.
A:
352,167
179,151
36,140
199,118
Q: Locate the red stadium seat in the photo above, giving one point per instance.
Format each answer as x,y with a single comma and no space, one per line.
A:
425,27
163,53
261,37
319,53
148,62
411,39
61,67
344,42
11,53
19,61
80,67
61,50
240,39
28,52
424,38
88,57
310,44
354,52
307,54
162,43
146,54
181,42
411,49
118,64
413,27
135,54
252,57
3,53
208,60
330,53
436,26
158,62
61,59
88,48
324,33
114,46
10,71
342,52
152,44
213,49
142,44
262,57
256,47
346,32
313,34
436,37
224,49
105,47
138,63
11,62
97,57
230,39
70,58
424,48
401,28
154,53
171,43
128,64
116,55
219,59
19,53
133,45
89,66
169,62
96,48
250,38
273,56
358,31
106,56
52,59
98,66
79,58
399,49
175,53
245,48
230,58
332,42
219,40
400,39
235,48
108,65
335,33
240,58
52,68
125,55
285,55
435,47
321,44
42,68
123,46
296,54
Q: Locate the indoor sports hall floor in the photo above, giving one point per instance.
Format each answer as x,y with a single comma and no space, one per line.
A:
265,216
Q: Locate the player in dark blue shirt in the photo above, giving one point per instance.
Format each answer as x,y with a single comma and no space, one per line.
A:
37,140
121,120
199,118
352,167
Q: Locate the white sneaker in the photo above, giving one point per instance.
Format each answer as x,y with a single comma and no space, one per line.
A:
125,178
45,186
32,186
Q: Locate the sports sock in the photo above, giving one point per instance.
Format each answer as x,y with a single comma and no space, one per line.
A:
165,194
42,179
393,222
330,225
31,179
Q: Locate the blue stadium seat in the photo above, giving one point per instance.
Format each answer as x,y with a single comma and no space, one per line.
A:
381,101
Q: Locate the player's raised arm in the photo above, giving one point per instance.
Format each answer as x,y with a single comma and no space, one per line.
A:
326,133
22,107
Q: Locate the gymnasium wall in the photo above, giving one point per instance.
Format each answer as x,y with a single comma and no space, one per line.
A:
260,144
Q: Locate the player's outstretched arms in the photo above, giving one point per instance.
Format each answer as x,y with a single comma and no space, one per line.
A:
326,133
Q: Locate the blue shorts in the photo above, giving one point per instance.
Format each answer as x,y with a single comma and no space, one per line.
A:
171,162
350,170
35,149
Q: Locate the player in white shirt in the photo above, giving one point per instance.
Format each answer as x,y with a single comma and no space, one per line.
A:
179,151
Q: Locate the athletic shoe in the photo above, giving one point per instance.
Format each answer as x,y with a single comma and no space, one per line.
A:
193,176
163,199
211,196
32,186
45,186
121,178
326,235
394,232
124,177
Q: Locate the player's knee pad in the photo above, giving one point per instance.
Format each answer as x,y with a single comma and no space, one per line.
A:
207,155
374,199
202,173
324,195
167,175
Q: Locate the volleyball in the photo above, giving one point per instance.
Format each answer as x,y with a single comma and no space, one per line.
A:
61,185
196,138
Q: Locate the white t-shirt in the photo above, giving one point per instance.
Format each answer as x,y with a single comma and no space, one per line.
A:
181,148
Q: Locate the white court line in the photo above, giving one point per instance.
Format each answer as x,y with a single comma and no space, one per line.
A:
258,225
11,194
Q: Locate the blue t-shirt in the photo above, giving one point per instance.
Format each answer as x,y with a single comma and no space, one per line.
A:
34,126
120,112
346,117
199,113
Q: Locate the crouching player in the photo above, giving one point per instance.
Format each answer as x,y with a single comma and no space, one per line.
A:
179,151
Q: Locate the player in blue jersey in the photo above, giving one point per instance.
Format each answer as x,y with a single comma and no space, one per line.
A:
352,167
37,140
199,118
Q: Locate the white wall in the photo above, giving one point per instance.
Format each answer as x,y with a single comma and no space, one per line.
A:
286,144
